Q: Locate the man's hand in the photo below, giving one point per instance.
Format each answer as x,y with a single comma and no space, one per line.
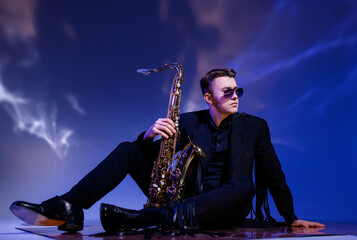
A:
163,126
306,224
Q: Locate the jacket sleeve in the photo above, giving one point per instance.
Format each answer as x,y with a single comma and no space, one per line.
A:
268,162
149,148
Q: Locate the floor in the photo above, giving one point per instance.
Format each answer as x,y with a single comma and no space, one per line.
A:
15,230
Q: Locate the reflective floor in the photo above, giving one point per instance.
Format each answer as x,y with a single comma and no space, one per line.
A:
13,230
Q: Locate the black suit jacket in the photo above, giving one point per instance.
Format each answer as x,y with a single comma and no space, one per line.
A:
249,142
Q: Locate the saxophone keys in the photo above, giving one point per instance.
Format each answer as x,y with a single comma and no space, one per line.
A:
162,182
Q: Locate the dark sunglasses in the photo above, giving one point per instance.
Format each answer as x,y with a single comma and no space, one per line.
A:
229,92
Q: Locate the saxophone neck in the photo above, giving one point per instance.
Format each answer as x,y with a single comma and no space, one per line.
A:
176,66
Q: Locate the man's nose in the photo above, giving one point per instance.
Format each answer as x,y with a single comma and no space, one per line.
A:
234,95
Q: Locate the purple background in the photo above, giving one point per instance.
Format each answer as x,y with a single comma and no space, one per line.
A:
69,91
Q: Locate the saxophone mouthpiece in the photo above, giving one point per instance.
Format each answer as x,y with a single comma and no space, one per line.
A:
144,71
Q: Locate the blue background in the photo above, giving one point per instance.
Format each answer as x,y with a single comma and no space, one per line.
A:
69,91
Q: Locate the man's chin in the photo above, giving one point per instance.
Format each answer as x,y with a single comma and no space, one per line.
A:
234,110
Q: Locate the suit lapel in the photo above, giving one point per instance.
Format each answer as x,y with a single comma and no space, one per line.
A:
238,140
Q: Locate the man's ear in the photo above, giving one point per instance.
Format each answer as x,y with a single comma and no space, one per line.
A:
208,98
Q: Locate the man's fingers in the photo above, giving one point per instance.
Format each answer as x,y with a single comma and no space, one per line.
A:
162,126
306,224
163,134
316,224
167,128
168,122
164,130
313,224
166,125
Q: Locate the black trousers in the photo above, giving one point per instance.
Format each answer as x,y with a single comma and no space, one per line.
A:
226,203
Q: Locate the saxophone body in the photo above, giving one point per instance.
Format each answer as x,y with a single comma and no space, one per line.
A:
171,171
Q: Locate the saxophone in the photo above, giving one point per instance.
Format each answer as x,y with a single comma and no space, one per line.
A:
171,171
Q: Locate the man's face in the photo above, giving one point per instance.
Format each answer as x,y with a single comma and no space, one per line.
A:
223,97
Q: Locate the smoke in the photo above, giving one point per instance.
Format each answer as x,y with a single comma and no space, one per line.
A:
31,117
73,101
18,53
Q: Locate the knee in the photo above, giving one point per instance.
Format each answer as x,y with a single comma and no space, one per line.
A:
132,154
125,151
124,145
126,148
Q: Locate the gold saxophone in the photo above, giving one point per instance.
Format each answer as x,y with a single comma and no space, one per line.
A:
170,173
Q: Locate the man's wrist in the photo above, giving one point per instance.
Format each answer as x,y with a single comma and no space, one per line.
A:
141,138
290,217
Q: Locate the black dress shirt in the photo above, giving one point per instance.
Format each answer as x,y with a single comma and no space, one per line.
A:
216,172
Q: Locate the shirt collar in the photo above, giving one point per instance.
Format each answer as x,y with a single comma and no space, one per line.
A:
225,124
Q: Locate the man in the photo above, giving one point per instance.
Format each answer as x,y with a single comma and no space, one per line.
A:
223,190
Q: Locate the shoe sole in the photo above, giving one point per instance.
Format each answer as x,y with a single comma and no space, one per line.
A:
34,218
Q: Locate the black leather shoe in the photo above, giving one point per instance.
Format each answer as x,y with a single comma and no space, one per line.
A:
53,212
117,219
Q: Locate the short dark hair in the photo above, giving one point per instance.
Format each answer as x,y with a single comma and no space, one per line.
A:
211,75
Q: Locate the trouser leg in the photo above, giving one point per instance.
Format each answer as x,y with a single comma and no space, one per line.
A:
227,203
126,158
220,207
224,205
